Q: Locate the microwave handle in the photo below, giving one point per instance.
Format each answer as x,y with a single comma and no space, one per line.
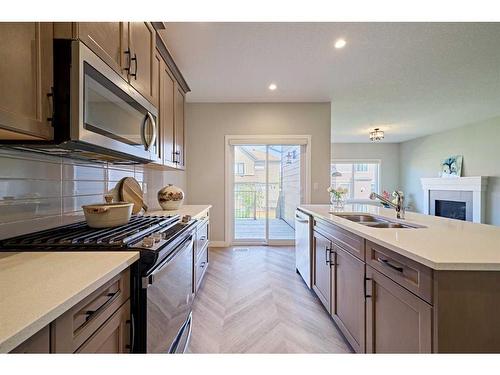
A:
147,144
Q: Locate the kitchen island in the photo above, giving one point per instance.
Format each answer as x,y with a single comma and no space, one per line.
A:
36,288
424,284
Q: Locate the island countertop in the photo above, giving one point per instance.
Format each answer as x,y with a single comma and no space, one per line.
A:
38,287
442,244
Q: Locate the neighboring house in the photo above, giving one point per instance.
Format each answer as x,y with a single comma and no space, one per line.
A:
250,179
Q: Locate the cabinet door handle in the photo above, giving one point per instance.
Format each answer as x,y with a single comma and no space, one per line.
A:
387,263
127,52
367,295
136,64
327,255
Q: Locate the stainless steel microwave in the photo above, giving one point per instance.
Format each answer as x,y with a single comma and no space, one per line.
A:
97,114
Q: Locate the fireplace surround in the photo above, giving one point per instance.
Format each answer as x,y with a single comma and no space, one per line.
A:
461,198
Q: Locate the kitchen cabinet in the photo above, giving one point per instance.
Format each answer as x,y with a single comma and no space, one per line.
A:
39,343
127,47
397,321
98,322
26,71
348,296
108,40
321,281
166,108
113,336
142,49
201,252
179,157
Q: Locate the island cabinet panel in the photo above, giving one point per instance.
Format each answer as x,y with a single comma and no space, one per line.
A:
321,283
39,343
348,296
397,321
349,241
467,312
414,276
26,71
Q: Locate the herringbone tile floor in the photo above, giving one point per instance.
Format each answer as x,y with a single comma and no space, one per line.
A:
254,302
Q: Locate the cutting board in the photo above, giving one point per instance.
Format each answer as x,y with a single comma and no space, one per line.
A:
130,191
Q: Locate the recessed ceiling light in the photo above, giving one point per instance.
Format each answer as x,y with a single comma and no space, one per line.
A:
340,43
273,87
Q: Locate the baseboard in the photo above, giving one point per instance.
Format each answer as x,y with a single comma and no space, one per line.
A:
218,244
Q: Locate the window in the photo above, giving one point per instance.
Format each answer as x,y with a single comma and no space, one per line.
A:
359,178
239,168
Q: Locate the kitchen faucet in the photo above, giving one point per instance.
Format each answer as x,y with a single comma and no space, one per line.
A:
399,206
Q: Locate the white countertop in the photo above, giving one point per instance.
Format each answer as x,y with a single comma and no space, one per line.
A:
36,288
193,210
444,244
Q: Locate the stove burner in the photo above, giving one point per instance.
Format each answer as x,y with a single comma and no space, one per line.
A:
80,234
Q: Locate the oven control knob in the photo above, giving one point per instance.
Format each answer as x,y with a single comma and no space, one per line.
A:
148,242
156,237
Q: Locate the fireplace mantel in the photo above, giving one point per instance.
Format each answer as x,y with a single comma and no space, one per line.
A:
477,185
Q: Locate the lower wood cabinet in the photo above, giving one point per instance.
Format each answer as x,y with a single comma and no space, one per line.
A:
397,321
200,258
348,296
39,343
113,336
321,281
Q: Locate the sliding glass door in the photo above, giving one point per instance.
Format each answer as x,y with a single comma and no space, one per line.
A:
267,188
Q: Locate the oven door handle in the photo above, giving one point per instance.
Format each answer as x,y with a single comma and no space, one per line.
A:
150,279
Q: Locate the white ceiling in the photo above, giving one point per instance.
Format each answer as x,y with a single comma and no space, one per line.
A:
410,79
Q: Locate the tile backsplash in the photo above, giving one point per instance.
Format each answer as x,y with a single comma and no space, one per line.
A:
39,192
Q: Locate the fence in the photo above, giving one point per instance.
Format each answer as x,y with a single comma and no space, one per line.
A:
250,201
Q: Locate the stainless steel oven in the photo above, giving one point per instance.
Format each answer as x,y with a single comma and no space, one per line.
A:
97,114
169,296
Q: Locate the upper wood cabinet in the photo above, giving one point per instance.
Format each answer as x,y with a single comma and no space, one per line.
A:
127,47
397,321
179,157
166,107
108,40
26,79
142,47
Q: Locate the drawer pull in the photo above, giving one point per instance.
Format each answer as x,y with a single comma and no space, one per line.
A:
89,313
387,263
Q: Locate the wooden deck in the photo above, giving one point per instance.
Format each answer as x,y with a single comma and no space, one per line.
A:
256,229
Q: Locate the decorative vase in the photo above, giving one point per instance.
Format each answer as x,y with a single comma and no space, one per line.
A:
170,197
337,201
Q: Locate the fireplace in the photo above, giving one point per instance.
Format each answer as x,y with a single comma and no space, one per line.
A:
461,198
451,204
450,209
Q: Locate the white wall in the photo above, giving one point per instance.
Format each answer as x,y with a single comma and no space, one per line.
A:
387,153
208,123
479,144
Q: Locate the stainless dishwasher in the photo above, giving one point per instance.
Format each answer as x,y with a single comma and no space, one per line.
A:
303,246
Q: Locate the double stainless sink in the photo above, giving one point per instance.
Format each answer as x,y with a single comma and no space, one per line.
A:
376,222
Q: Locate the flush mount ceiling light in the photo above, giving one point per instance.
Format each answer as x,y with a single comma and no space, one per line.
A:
376,135
273,87
340,43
